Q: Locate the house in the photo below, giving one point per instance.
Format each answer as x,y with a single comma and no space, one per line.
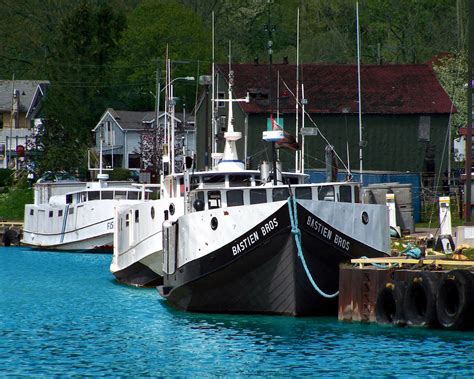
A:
405,115
19,107
123,131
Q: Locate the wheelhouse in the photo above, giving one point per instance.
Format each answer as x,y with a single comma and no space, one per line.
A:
211,198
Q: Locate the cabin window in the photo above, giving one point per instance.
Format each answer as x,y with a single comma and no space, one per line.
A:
94,195
326,193
303,193
137,215
345,194
235,198
356,195
213,199
127,220
219,178
120,195
152,211
240,180
32,212
258,196
51,213
68,199
279,194
181,187
290,179
107,195
71,211
194,182
60,213
133,195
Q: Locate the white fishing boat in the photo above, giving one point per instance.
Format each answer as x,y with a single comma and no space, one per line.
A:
266,242
74,215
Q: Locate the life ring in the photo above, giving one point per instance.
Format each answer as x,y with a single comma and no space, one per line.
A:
455,303
389,304
420,300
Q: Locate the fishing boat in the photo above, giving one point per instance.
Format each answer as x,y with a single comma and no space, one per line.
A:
75,215
266,243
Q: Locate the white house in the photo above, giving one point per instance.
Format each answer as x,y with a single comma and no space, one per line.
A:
121,133
19,106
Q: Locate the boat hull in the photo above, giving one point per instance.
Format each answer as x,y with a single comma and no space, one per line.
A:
271,276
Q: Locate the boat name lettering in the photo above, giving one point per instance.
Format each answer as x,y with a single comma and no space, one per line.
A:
341,242
245,243
320,228
269,226
110,225
328,233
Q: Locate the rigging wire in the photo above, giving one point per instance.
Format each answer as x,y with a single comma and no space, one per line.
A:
317,127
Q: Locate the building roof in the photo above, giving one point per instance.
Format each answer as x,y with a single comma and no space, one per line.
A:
26,88
333,89
132,120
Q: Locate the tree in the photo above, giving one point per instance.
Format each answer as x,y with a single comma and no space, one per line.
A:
81,80
154,27
451,71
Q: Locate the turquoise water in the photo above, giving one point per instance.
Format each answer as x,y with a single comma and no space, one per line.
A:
64,315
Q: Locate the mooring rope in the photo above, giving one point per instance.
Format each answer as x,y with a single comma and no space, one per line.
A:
297,235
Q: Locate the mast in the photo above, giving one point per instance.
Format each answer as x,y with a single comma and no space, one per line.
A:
230,160
470,83
297,85
359,94
213,112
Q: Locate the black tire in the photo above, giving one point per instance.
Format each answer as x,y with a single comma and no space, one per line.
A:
389,304
420,300
455,303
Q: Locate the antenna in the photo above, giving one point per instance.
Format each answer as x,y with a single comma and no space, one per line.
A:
360,100
213,122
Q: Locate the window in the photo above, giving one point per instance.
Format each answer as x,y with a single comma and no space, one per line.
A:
32,212
68,199
94,195
326,193
279,194
51,213
221,95
303,193
60,213
119,195
235,198
133,195
258,196
213,199
71,211
424,125
345,194
137,215
127,220
107,195
218,178
240,180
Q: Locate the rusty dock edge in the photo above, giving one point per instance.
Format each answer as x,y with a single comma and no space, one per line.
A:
361,283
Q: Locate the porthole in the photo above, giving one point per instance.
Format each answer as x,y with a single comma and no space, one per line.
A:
152,213
214,223
365,218
172,209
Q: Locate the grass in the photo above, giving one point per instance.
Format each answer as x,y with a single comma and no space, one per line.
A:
12,203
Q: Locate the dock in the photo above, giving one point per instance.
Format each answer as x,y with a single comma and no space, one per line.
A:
11,232
434,291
